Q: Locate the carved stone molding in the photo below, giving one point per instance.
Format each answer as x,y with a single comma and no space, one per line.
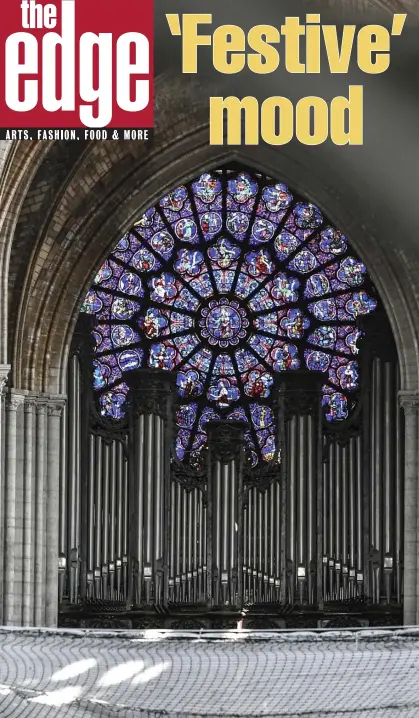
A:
14,400
55,408
150,390
4,376
41,407
30,405
226,439
409,401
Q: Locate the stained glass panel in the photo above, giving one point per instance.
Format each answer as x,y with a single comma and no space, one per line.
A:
227,281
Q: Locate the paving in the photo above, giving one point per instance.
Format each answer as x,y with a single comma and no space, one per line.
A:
151,674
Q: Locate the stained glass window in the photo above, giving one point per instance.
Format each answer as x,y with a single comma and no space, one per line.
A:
226,281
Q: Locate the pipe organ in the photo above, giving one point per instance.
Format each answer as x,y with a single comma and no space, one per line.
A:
313,538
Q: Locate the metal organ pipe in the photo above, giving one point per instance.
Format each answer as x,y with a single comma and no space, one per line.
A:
225,440
308,536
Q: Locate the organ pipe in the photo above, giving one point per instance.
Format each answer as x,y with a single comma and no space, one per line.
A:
327,531
225,483
151,406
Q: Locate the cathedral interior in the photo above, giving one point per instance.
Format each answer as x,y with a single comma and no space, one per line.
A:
210,385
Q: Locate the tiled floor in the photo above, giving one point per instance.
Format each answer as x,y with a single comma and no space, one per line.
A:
80,674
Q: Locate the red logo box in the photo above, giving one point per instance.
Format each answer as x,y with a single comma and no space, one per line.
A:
77,64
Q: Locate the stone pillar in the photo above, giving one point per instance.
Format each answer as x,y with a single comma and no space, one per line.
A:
300,442
4,373
410,404
225,512
54,411
150,438
13,504
40,512
28,513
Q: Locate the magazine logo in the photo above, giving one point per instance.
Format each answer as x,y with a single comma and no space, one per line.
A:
78,64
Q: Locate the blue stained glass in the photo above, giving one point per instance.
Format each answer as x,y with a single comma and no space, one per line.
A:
259,264
101,375
360,303
130,283
284,356
324,310
224,253
262,416
351,271
223,366
336,405
261,344
211,223
112,402
294,323
202,285
186,416
144,261
317,361
189,384
307,216
124,308
130,359
323,337
154,323
180,322
163,287
243,190
162,357
317,285
224,280
333,242
245,285
163,243
189,262
262,231
186,344
284,289
207,187
92,304
223,393
238,224
175,200
267,323
123,335
223,323
187,230
185,300
277,197
285,244
258,384
304,262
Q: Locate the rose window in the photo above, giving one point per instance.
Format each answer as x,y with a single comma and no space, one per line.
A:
226,281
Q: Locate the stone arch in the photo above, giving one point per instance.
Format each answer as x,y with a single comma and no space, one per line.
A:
60,273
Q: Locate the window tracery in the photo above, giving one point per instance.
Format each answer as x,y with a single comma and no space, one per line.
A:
226,281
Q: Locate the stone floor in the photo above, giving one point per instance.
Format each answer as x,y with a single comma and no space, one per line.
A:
75,674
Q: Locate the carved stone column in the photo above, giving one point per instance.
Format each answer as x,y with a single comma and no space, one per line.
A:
13,508
410,404
40,517
225,512
300,439
4,373
54,411
29,498
150,438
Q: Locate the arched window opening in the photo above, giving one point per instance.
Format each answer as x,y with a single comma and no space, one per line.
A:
226,281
